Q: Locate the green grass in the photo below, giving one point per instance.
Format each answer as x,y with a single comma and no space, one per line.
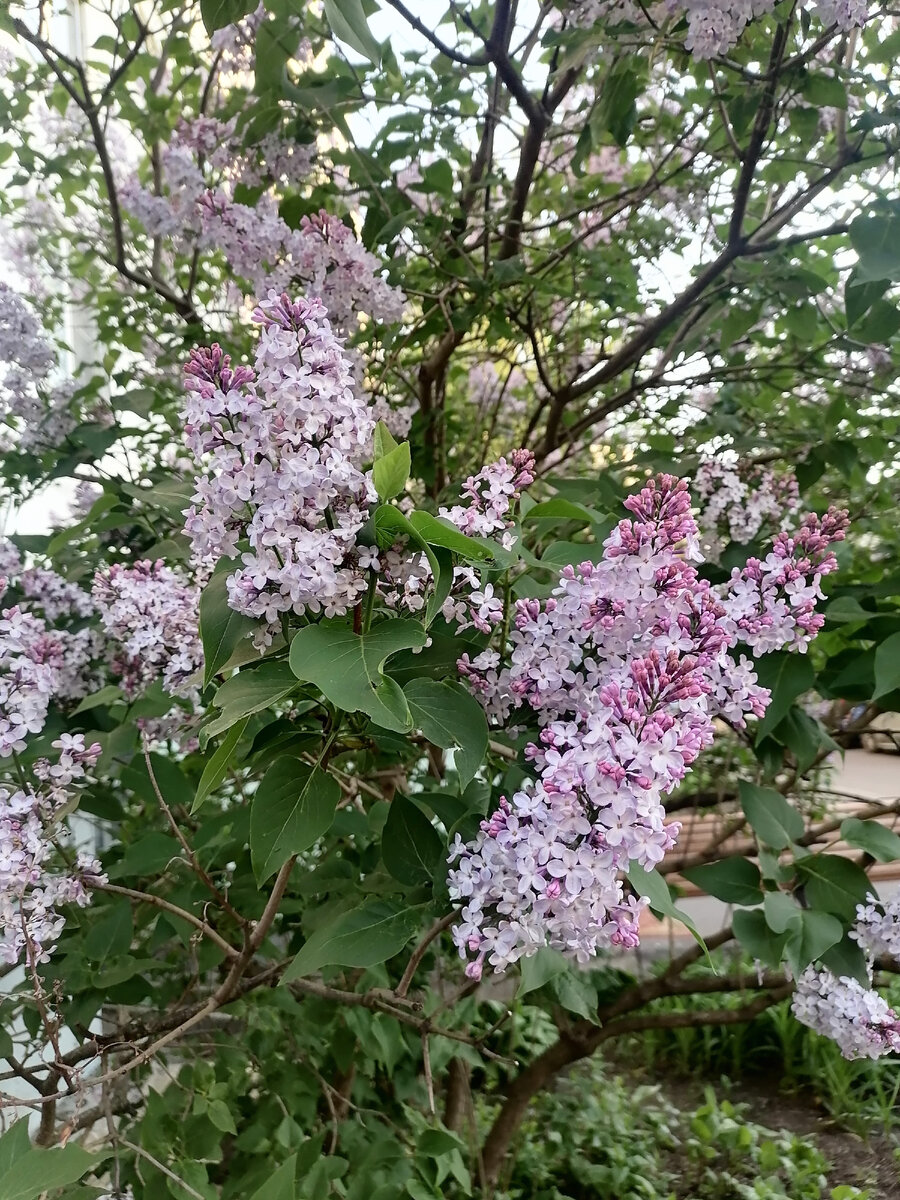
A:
862,1095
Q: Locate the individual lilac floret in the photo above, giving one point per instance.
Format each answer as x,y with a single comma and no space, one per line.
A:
151,612
283,448
857,1018
31,888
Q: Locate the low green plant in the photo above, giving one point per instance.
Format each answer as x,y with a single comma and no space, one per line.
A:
862,1095
598,1138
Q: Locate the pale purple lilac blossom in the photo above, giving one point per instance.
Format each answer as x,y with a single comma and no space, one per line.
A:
737,502
31,404
31,888
282,447
151,614
626,666
39,663
492,497
858,1018
714,26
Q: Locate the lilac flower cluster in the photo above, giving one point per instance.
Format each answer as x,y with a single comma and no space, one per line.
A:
200,170
771,603
31,890
626,667
858,1018
39,663
492,494
31,661
36,408
283,447
877,928
738,501
714,26
151,613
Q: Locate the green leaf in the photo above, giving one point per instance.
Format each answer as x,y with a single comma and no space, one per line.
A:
434,1143
652,885
782,911
887,666
348,24
802,735
217,14
348,667
390,523
149,855
787,676
214,771
249,692
14,1144
281,1185
33,1171
859,296
107,695
846,957
754,935
560,509
833,883
410,845
616,111
448,715
384,441
883,844
733,880
824,91
815,933
875,236
292,808
111,935
438,532
772,819
538,969
221,628
368,935
391,472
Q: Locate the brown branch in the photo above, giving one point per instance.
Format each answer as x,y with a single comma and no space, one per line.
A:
420,951
166,906
757,137
463,60
581,1042
196,866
